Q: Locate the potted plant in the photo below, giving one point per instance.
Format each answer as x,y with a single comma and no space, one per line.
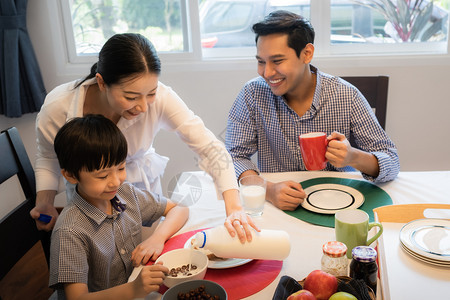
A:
409,20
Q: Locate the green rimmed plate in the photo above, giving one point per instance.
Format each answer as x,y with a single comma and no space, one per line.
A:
373,196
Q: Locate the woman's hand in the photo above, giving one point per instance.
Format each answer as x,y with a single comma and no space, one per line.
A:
239,222
44,205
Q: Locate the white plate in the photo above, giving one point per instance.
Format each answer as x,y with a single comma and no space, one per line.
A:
425,259
429,238
330,198
222,263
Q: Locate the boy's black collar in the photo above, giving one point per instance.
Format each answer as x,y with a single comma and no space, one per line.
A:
118,205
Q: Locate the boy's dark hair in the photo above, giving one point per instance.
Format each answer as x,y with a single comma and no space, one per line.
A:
89,143
299,30
125,56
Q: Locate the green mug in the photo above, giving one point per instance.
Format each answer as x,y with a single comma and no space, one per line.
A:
352,227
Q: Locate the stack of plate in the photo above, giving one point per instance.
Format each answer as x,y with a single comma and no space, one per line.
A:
427,240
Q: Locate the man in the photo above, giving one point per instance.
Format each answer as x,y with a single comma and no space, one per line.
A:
292,97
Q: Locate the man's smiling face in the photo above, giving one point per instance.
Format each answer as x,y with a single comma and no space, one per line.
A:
279,65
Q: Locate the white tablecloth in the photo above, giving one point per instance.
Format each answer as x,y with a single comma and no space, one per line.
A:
306,239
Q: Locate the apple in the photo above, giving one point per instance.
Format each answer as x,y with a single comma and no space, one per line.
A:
302,295
321,284
342,296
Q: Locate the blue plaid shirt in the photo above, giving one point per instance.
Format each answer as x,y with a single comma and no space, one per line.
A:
261,122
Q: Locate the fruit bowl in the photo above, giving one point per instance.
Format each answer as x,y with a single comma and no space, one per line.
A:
346,279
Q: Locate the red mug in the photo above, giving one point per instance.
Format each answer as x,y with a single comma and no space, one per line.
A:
313,147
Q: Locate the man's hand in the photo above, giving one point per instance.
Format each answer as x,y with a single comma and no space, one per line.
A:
339,152
286,195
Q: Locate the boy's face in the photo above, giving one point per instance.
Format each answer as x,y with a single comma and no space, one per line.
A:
100,185
280,66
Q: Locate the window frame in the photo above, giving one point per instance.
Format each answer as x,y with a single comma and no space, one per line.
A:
319,11
190,25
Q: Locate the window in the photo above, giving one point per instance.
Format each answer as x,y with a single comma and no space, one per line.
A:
89,23
226,17
354,26
222,28
418,21
236,31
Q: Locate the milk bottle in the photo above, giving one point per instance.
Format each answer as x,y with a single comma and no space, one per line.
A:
267,244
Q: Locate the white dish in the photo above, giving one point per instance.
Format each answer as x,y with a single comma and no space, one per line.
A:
429,238
330,198
425,259
224,263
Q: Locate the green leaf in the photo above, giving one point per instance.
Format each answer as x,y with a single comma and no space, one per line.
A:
404,16
421,21
432,30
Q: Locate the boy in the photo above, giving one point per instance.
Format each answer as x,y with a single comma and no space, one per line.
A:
292,97
97,239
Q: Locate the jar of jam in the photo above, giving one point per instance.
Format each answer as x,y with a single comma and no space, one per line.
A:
334,261
364,266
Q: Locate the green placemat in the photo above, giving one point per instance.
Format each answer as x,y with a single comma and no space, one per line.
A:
373,197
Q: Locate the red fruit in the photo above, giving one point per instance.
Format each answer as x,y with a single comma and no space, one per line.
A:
302,295
321,284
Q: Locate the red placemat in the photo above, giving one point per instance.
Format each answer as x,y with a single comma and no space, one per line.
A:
239,282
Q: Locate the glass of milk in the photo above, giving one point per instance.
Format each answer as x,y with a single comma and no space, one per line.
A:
253,194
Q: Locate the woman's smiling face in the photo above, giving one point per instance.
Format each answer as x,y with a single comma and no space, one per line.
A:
130,98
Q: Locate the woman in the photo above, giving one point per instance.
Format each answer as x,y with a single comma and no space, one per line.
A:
123,86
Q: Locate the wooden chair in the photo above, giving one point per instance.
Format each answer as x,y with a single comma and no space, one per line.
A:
24,252
375,89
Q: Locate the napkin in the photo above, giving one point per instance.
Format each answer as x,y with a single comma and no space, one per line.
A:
356,287
286,287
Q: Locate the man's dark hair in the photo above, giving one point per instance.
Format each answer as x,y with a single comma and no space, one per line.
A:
299,30
89,143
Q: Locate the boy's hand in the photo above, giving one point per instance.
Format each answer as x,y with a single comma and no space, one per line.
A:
150,249
149,279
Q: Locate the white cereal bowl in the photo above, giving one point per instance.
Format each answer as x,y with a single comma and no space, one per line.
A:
180,257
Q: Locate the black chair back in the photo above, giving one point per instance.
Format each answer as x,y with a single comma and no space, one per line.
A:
375,89
19,235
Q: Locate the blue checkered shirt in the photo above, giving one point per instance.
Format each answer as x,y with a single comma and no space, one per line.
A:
263,123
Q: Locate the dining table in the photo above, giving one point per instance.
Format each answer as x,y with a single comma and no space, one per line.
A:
197,190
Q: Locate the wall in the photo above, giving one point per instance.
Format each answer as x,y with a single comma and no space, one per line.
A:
417,113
